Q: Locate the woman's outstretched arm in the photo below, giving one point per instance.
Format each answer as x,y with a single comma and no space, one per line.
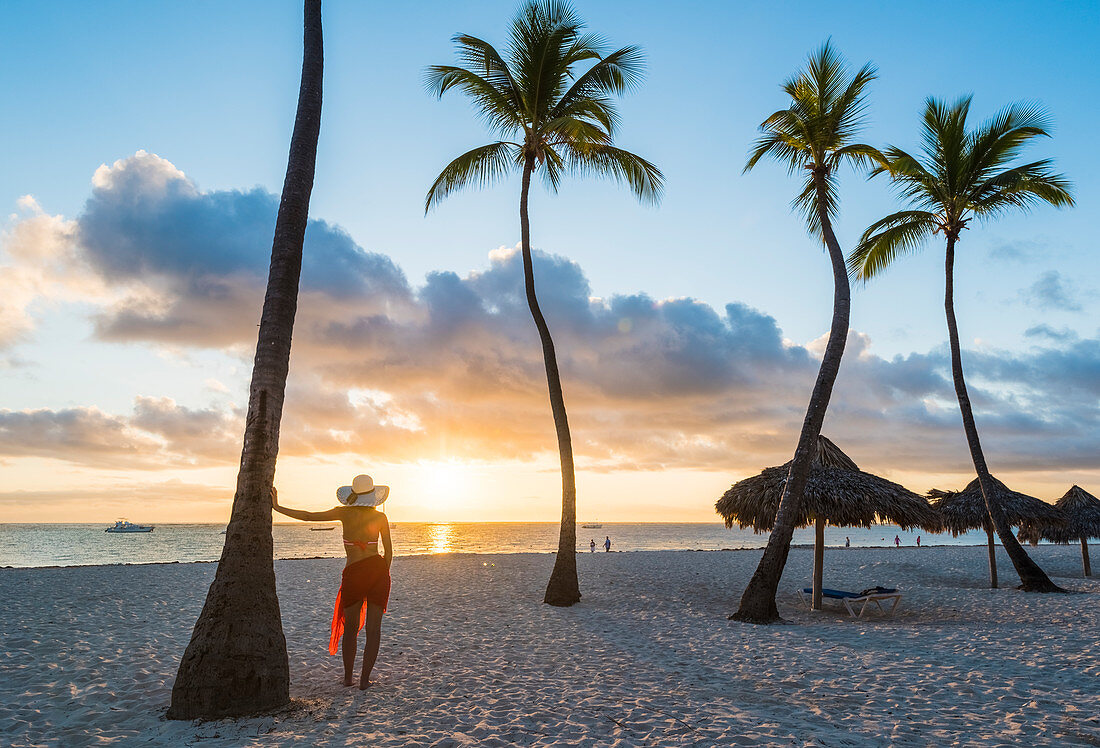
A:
333,513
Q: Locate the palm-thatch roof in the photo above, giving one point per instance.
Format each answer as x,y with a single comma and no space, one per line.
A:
1081,520
837,490
965,510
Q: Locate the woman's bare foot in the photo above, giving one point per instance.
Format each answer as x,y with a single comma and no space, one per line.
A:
365,684
349,680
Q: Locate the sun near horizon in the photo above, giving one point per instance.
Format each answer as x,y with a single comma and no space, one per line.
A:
136,239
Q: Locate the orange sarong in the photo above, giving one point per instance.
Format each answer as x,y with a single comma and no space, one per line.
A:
366,580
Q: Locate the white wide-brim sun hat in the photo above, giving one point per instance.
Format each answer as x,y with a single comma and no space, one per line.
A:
362,492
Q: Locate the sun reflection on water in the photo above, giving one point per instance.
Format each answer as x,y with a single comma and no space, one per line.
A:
439,538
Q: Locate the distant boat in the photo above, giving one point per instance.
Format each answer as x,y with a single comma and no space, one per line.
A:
123,525
319,529
591,525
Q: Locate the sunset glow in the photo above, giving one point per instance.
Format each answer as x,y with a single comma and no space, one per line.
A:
134,253
592,372
441,538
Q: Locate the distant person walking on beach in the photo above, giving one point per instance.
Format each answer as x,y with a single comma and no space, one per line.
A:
918,541
365,584
592,545
847,542
897,542
607,544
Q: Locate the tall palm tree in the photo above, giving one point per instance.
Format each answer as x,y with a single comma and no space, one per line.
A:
813,136
964,175
563,121
236,662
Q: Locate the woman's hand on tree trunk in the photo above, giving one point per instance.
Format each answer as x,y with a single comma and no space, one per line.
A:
274,498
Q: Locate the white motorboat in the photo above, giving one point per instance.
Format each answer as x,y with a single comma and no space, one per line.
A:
124,525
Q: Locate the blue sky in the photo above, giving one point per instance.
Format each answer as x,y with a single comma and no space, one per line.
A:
211,88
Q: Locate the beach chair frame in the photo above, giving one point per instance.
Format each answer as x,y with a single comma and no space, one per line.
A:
862,601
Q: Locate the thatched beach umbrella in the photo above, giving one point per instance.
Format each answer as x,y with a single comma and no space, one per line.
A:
837,492
1081,514
965,510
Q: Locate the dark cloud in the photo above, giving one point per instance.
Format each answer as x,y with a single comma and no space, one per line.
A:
1015,250
1051,292
1052,376
454,368
204,434
194,256
159,433
84,435
1064,335
146,218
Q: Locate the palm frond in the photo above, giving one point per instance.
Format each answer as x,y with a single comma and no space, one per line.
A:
825,75
858,154
644,179
600,110
551,167
785,138
999,140
1022,187
912,181
782,147
585,47
961,173
481,166
482,58
944,140
574,130
543,35
817,130
809,203
848,114
495,107
541,92
613,75
887,239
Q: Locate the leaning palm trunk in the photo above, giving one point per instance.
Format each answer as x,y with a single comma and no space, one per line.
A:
236,662
758,600
563,589
1032,577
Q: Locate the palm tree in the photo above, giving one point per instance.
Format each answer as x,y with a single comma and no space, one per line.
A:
965,175
813,137
236,662
562,121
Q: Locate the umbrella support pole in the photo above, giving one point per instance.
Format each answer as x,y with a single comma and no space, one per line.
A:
992,557
819,558
1085,557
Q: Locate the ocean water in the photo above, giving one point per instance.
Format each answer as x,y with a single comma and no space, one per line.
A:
28,545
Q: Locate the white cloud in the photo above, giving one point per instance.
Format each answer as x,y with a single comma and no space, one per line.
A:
152,174
215,385
39,264
453,368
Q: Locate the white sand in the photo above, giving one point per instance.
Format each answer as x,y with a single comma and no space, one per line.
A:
471,657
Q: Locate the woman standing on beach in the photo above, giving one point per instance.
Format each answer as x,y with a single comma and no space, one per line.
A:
365,584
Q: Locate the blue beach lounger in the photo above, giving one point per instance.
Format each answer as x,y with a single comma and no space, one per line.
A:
874,595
